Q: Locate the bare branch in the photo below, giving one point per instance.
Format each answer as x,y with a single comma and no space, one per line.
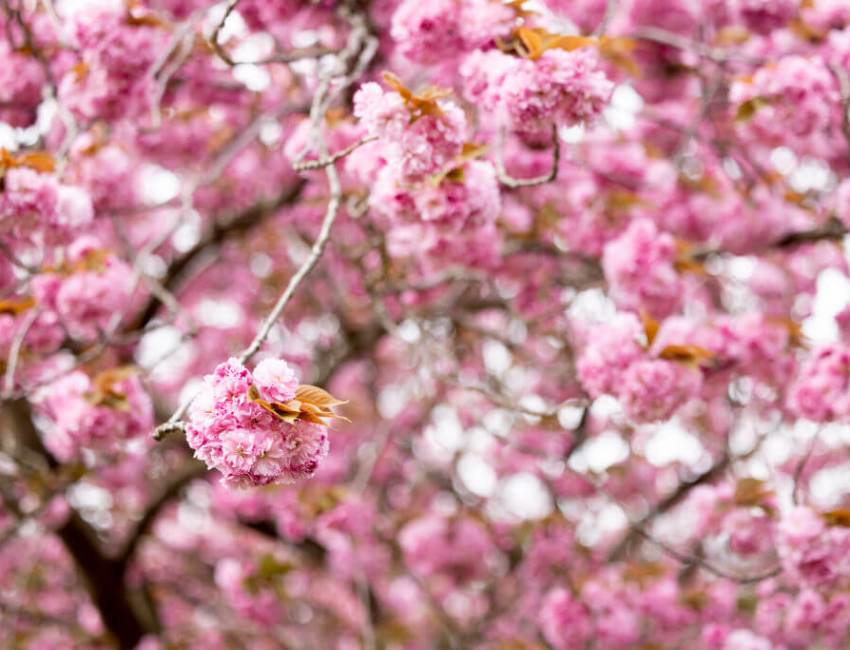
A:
214,42
843,80
221,231
308,165
360,48
283,57
670,501
671,39
514,183
191,470
707,566
15,352
104,581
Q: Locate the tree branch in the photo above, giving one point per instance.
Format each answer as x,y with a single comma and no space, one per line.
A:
515,183
104,581
100,573
637,530
220,232
191,470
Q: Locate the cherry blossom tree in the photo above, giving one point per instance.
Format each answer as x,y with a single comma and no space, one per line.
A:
413,324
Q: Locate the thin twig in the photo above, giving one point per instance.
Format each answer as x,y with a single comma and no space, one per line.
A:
15,352
801,465
610,10
185,475
216,46
307,165
181,44
173,423
363,47
507,403
514,183
315,253
843,80
700,562
283,57
667,503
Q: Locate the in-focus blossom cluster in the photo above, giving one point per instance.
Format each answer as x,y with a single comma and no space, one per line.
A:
259,428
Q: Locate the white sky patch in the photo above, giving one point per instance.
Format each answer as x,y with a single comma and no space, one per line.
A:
477,476
157,184
783,160
524,496
592,305
625,103
670,444
68,8
478,440
497,358
391,400
7,137
499,422
777,449
446,430
233,27
810,175
254,48
834,434
833,295
605,406
741,267
270,133
155,343
533,403
570,416
188,233
595,524
829,485
219,312
163,353
572,134
254,77
86,496
600,453
409,331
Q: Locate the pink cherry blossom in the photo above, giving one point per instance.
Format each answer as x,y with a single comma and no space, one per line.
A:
249,445
576,271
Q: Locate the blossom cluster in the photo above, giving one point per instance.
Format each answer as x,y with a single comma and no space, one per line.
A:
112,80
428,185
651,384
103,413
428,32
37,209
248,426
560,88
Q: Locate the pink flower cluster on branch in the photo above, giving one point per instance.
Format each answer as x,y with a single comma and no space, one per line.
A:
259,428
